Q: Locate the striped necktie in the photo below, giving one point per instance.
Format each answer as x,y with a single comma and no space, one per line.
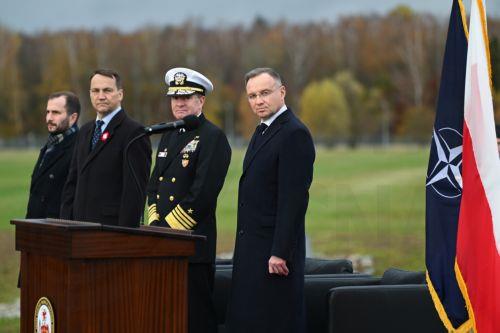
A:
97,133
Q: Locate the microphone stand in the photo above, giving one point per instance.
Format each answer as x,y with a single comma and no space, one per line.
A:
132,171
149,131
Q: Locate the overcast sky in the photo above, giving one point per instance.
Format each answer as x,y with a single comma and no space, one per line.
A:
127,15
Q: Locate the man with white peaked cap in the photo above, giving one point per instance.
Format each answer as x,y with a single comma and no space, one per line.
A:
189,173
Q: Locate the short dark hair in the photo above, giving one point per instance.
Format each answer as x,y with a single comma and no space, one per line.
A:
109,73
72,101
497,129
264,70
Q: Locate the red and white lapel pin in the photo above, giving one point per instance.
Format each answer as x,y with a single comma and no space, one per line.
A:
105,136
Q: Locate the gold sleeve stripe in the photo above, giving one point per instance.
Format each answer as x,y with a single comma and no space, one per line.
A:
186,216
153,217
182,220
152,208
174,223
152,214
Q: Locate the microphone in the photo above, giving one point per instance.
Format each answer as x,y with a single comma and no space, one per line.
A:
188,122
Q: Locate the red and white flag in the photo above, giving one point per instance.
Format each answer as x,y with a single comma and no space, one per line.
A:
478,239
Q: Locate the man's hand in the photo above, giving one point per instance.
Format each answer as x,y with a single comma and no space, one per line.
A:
277,266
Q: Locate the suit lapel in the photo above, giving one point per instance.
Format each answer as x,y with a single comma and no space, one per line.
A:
273,129
37,171
51,158
86,136
249,149
270,133
112,126
172,143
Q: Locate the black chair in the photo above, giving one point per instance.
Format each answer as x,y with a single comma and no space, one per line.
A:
397,302
317,290
326,274
315,266
312,265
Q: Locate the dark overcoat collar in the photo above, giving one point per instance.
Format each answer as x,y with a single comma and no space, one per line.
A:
110,129
275,127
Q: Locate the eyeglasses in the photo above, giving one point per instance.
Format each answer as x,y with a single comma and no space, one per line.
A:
263,94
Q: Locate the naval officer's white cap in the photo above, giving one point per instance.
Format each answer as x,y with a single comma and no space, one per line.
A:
184,82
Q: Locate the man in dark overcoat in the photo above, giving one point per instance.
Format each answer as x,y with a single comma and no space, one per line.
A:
101,187
51,169
268,271
189,173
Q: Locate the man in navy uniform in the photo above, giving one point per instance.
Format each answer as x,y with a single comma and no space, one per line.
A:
190,169
52,166
100,186
268,269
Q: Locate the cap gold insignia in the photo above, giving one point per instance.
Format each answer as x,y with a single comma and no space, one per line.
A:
185,163
179,78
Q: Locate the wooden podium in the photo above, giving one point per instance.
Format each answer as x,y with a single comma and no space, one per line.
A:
101,278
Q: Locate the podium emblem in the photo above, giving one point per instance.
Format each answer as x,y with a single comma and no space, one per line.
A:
44,316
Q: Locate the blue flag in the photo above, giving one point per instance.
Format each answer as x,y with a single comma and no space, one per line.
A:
444,181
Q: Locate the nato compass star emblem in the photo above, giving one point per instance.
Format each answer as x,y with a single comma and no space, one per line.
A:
445,163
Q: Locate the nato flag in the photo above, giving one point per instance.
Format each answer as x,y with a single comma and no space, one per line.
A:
444,181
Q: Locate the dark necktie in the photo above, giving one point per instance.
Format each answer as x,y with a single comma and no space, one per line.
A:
259,134
97,132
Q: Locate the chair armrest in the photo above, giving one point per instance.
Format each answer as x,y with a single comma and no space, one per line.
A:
223,267
327,266
219,261
383,308
340,275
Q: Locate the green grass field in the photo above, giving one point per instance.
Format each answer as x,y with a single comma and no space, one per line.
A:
367,201
10,325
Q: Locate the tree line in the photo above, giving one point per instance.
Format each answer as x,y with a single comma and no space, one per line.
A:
364,78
